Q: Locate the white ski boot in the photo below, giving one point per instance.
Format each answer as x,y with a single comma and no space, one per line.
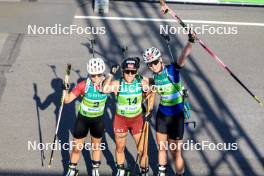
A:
121,171
72,170
162,170
95,170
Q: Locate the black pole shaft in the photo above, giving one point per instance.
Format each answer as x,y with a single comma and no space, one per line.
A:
39,127
171,56
52,151
242,84
208,50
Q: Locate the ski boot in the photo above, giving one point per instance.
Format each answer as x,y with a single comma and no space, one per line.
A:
162,170
95,170
128,172
121,171
143,172
180,174
72,170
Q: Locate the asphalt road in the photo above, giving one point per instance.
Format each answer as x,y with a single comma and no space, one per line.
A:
225,113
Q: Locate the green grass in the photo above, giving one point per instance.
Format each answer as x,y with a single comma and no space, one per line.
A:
245,1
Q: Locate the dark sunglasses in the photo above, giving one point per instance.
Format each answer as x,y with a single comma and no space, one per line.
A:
133,72
97,75
156,62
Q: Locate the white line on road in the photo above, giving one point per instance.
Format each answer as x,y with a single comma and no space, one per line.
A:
167,20
9,0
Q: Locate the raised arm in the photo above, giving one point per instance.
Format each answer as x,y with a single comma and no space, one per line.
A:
79,89
109,85
69,97
186,51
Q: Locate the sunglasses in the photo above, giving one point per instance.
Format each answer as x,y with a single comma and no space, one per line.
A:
156,62
97,75
133,72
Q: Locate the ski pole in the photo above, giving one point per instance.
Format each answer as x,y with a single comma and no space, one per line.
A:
217,59
124,51
167,39
188,123
40,133
68,70
142,147
93,42
77,71
53,68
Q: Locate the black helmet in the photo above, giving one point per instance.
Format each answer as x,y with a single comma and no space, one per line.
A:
131,62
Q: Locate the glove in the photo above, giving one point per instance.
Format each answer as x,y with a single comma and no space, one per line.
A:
36,98
164,8
114,69
148,116
191,36
65,86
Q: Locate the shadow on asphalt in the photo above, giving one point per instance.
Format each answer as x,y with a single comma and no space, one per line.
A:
66,124
220,120
114,44
22,173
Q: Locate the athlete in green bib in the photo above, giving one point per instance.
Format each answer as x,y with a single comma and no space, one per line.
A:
90,114
129,98
170,115
129,95
168,91
93,102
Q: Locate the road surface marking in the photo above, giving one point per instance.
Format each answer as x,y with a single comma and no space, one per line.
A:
168,20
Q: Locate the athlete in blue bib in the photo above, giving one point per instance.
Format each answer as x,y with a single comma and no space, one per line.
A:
170,116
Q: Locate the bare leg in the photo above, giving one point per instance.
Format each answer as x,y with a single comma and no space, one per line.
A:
77,149
120,140
162,141
96,156
177,156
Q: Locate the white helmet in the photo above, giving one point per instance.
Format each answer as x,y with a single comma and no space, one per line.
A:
95,66
151,54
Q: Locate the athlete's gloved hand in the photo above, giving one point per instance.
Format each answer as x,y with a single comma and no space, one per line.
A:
164,8
65,86
36,98
148,116
114,69
191,36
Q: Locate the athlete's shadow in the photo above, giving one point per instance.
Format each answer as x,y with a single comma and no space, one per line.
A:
90,49
108,121
67,118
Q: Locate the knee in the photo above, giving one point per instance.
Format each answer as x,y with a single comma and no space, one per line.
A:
162,146
96,146
77,149
120,148
177,153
